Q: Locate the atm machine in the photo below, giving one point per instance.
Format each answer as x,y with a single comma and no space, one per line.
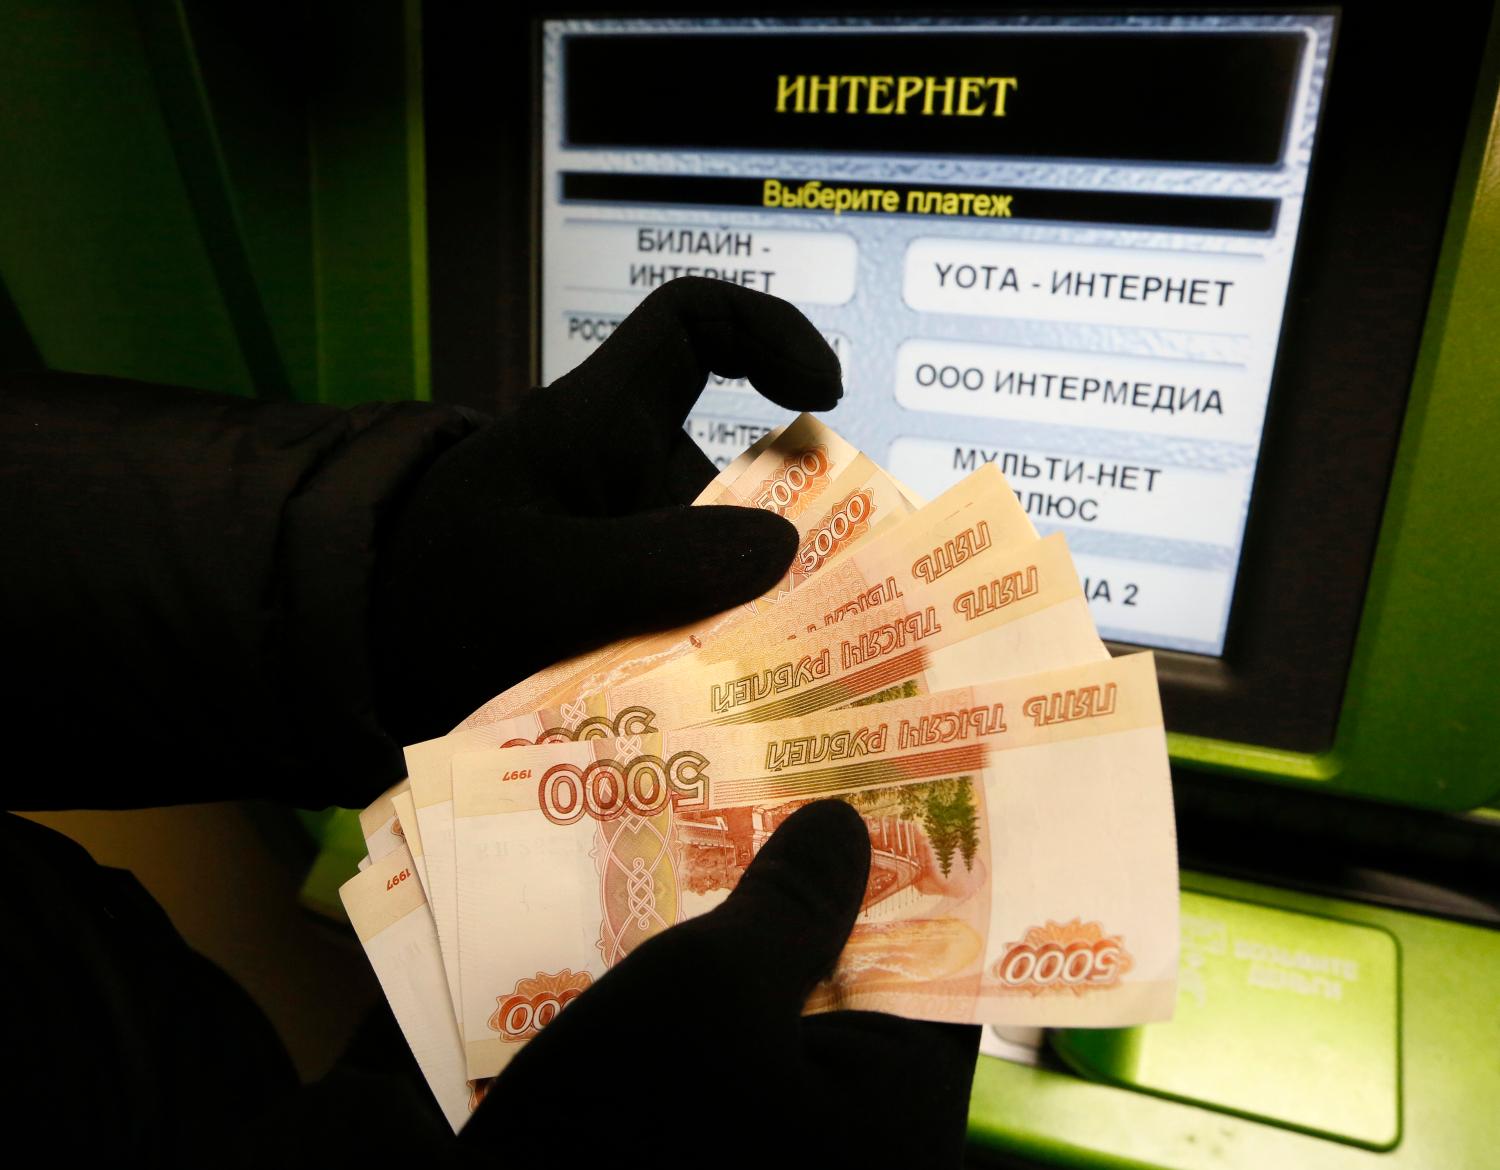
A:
1220,292
1217,286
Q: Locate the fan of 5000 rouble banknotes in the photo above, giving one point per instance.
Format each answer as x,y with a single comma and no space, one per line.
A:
934,665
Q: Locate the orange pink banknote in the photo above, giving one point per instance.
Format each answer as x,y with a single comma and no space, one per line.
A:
933,665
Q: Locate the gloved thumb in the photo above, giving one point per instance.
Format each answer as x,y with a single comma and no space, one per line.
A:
792,911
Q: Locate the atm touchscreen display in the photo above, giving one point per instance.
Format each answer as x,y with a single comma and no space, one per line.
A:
1061,244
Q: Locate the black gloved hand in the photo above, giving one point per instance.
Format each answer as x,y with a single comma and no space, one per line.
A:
563,526
693,1051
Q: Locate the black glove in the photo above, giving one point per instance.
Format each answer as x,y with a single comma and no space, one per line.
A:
563,526
693,1051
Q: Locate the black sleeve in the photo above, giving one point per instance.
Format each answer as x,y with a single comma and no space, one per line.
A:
185,593
130,1049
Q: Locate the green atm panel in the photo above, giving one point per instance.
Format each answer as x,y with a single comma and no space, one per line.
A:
1301,1012
1398,1071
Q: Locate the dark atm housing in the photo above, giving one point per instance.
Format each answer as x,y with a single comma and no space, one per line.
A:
1338,759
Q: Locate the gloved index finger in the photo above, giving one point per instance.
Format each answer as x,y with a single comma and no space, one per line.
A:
659,356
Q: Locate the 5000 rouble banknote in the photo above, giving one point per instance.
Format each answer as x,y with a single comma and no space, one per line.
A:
387,909
853,574
1024,862
946,613
910,568
1017,611
831,523
1005,628
1000,614
808,474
